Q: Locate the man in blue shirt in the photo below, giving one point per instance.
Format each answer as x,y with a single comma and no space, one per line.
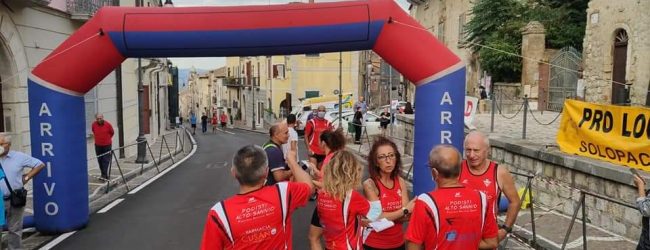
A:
193,122
278,169
13,163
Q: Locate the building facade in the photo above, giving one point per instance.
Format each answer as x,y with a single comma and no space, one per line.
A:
31,30
616,52
446,19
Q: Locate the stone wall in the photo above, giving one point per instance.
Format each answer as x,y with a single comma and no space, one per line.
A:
560,176
558,179
604,19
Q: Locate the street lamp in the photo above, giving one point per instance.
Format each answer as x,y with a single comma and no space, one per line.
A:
142,150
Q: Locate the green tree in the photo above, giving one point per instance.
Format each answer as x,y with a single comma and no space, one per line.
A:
495,30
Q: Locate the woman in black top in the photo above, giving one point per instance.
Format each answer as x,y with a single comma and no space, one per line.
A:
384,120
357,121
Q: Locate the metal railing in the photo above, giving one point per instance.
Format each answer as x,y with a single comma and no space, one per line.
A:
179,140
528,191
525,106
581,206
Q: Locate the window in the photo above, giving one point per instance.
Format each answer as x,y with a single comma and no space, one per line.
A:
279,71
310,94
91,102
461,30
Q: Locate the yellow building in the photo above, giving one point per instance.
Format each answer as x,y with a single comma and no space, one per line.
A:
280,82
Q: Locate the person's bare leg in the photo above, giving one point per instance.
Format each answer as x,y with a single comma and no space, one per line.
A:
314,237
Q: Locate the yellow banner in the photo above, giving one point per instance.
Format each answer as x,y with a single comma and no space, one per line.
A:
617,134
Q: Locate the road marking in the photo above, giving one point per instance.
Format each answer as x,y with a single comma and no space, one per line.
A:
111,205
56,241
166,170
223,130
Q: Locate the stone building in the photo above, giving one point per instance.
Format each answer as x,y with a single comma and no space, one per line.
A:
446,19
31,29
617,52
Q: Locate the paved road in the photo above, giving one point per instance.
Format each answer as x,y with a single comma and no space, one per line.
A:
170,213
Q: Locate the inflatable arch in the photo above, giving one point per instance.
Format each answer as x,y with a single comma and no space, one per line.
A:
57,84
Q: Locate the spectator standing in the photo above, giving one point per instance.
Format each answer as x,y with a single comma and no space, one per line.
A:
357,122
362,105
13,164
292,143
204,123
408,108
385,185
478,172
278,168
643,204
193,122
384,120
432,226
258,211
103,133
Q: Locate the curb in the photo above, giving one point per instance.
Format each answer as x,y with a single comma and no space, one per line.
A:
250,130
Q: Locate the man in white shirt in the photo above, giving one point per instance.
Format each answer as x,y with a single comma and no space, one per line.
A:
292,143
13,164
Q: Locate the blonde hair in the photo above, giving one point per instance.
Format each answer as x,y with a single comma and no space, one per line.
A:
342,174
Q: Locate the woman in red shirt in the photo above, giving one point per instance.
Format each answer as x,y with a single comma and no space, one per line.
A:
340,206
214,122
385,185
330,142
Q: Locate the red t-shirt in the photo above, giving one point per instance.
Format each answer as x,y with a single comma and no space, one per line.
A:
313,129
341,228
214,120
391,200
451,218
224,118
103,133
486,182
257,220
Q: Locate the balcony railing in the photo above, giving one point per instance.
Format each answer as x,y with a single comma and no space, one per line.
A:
233,81
85,9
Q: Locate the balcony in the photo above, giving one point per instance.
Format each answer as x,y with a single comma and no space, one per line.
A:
233,82
83,10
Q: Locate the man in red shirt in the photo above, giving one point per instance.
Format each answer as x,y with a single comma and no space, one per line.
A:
103,133
313,129
452,216
482,174
259,216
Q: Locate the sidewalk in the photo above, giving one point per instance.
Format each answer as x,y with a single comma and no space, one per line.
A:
102,193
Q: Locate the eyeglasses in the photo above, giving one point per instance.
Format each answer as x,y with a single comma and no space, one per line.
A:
390,156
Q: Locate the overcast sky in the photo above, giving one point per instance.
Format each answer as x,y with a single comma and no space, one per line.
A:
213,62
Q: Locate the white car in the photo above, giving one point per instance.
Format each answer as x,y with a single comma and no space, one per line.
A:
301,117
371,122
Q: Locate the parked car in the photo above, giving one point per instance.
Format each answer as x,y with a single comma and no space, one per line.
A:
371,122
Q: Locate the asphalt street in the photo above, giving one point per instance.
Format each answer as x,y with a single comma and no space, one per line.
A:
170,213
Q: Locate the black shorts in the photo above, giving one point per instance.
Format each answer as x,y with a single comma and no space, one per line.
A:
315,220
319,158
384,125
194,125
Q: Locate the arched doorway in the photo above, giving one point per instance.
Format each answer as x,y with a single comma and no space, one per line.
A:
620,93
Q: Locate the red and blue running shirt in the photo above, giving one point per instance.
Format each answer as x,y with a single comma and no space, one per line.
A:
313,129
486,182
391,200
260,219
451,218
341,227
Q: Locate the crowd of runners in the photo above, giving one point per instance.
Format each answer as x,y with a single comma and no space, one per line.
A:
350,213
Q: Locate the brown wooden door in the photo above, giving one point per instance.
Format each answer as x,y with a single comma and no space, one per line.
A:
619,93
147,110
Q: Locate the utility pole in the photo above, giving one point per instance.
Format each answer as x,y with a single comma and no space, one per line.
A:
142,148
340,88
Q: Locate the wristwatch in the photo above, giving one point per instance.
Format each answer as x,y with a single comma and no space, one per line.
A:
507,228
405,211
